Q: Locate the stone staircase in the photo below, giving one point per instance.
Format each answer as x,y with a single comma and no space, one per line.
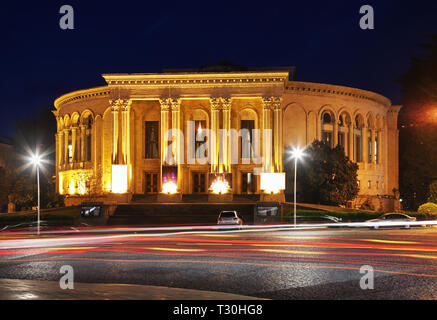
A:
177,213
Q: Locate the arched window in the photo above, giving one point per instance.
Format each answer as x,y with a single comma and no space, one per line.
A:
328,128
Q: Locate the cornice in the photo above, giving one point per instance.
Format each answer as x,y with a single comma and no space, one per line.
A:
196,79
310,88
81,94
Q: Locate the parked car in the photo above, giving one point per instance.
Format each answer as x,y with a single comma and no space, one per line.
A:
391,220
229,218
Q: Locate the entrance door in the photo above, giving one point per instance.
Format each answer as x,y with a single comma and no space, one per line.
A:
151,182
199,182
248,183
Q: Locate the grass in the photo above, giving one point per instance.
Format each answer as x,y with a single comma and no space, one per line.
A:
58,217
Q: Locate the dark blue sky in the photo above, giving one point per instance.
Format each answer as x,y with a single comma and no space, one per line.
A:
39,61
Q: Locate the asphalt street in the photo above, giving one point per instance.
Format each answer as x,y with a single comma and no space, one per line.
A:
291,264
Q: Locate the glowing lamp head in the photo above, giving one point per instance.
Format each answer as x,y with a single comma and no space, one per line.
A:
35,160
297,153
220,186
169,187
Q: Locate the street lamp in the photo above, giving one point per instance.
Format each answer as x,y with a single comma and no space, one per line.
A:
36,161
297,154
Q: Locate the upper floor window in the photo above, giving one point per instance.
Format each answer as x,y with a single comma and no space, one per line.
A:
247,127
152,140
70,152
327,129
200,141
327,118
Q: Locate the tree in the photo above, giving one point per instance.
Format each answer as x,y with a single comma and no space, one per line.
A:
13,186
327,176
418,128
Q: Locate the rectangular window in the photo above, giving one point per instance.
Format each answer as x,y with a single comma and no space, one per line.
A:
151,182
369,184
199,182
327,138
246,129
70,152
152,140
248,185
200,135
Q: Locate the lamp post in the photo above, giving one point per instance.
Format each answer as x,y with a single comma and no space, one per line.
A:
36,161
297,154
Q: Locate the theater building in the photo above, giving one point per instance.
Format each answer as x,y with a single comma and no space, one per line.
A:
217,134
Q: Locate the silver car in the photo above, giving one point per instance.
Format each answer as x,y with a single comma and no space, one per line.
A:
391,220
229,218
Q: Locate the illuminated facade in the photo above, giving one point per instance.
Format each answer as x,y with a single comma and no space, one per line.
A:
217,133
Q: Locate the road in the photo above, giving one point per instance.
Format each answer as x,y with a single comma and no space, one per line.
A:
291,264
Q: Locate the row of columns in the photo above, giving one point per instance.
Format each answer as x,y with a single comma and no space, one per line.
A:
219,142
78,144
221,109
272,134
352,132
121,131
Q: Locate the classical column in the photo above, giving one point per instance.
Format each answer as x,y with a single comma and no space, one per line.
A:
165,107
60,147
82,143
351,142
125,130
66,137
277,133
215,118
373,146
74,143
335,132
176,136
226,152
267,134
176,126
115,111
365,133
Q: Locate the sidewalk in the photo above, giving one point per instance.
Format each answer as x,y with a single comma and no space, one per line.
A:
11,289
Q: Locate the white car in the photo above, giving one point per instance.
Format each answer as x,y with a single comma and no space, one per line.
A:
391,220
229,218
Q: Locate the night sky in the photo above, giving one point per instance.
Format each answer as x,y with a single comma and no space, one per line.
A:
40,62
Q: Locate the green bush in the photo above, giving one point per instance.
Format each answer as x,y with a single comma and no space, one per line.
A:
428,208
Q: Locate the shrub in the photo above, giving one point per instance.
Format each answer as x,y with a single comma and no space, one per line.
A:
428,208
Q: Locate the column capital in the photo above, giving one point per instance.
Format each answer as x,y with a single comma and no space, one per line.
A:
215,103
165,104
226,103
175,104
276,102
266,102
